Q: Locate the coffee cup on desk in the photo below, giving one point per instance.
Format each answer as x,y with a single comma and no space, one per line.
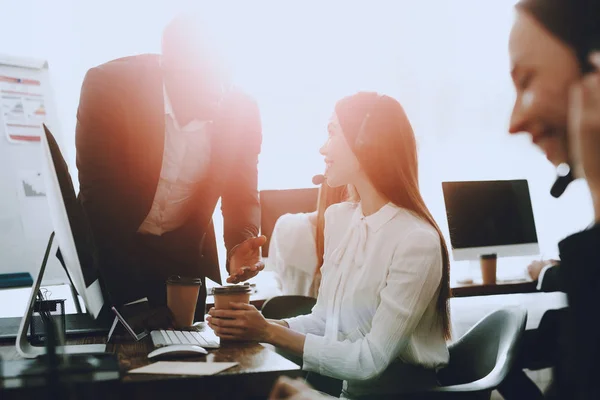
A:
224,295
182,296
488,268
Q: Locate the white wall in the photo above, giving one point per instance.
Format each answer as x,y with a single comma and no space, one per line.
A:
445,61
25,223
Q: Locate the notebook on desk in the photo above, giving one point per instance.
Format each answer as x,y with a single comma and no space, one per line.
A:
15,280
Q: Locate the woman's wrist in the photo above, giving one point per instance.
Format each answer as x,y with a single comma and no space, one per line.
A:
288,339
272,332
279,322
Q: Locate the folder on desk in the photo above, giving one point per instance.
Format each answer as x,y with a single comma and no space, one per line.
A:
199,368
19,279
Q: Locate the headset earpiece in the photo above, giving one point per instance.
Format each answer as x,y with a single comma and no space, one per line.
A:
361,138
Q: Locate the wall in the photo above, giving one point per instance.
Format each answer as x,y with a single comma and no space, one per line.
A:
445,61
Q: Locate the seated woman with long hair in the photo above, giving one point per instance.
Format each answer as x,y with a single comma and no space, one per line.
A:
381,319
297,245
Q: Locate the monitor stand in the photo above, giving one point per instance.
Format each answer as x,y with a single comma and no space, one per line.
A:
24,348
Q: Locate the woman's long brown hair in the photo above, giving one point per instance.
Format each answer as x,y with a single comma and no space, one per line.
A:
387,151
327,196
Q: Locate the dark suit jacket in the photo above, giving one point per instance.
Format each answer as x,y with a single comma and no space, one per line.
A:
580,271
120,143
551,281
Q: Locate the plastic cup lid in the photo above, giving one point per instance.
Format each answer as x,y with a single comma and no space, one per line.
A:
233,289
185,281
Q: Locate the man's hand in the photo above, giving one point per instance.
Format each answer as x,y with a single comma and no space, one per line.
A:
245,260
294,389
536,267
584,129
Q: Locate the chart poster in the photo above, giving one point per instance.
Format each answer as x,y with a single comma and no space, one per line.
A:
31,184
23,109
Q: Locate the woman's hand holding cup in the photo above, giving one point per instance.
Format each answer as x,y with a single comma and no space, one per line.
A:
242,322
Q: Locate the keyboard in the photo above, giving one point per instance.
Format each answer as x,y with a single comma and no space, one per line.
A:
208,340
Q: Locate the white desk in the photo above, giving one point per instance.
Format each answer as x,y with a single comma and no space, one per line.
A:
466,311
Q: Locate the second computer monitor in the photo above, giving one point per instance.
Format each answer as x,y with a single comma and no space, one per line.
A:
67,217
490,217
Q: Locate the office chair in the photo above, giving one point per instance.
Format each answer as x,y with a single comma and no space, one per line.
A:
280,307
482,357
275,203
479,360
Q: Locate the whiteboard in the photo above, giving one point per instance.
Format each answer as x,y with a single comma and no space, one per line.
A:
26,101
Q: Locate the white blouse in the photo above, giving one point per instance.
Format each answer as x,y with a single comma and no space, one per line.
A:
378,295
293,254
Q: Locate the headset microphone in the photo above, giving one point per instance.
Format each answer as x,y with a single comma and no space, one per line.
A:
564,176
318,179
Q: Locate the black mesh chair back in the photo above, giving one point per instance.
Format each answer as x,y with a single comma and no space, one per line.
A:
281,307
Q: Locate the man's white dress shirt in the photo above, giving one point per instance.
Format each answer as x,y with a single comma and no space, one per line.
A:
185,162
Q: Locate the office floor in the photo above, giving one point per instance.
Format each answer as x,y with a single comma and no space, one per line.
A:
541,378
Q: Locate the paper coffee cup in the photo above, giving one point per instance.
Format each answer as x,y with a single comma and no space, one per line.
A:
488,269
231,294
182,296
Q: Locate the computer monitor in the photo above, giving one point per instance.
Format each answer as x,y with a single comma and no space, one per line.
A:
61,200
490,217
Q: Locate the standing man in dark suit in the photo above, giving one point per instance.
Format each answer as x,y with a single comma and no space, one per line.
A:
160,138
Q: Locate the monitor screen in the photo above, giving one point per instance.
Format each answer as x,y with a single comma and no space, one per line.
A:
489,213
70,225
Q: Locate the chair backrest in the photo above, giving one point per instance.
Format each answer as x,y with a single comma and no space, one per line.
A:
482,357
280,307
275,203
